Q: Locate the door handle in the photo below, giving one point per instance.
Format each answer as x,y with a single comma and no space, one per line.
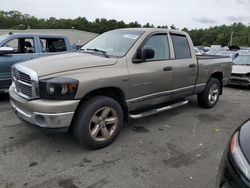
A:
192,66
167,68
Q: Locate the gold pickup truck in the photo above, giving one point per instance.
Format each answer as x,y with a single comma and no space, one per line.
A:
121,74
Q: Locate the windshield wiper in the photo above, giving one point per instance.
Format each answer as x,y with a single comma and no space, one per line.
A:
97,50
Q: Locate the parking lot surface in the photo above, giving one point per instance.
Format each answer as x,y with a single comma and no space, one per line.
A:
178,148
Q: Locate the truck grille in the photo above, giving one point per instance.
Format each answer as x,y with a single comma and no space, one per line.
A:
25,82
27,90
24,77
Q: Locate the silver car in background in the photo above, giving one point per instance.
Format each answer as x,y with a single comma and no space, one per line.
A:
241,71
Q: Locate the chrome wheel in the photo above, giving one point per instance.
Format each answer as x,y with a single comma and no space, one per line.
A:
103,124
213,93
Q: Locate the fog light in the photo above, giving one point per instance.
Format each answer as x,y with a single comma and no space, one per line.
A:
40,120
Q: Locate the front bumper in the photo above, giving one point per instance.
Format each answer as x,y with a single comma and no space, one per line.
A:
242,81
46,114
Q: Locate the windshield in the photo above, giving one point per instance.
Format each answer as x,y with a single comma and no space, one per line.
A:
2,37
242,60
113,43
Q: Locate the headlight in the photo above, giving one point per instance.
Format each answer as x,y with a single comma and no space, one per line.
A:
238,156
58,88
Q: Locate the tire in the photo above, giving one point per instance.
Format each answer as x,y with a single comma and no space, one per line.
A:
98,122
209,97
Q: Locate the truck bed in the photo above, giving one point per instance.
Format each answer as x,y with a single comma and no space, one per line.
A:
209,63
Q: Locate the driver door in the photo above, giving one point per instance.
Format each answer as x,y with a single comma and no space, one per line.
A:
152,80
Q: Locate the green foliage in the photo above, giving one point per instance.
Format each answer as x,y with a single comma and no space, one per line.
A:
17,20
205,37
221,35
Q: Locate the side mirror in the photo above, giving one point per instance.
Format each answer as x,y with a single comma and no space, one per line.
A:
6,50
144,54
147,53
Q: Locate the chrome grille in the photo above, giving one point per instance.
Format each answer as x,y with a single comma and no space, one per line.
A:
24,77
27,90
25,82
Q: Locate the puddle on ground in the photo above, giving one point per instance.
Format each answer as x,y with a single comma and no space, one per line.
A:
67,183
140,129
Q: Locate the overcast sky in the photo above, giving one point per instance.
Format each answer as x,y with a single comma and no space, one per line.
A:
182,13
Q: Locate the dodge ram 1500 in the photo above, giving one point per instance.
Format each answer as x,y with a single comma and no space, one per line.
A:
121,74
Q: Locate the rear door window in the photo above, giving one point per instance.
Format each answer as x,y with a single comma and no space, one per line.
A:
181,46
53,45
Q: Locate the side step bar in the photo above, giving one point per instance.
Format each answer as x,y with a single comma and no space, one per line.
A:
158,110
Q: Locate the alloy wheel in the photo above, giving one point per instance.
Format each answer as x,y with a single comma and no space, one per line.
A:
213,93
103,124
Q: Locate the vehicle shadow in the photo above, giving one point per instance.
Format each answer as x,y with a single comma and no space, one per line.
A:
238,87
4,96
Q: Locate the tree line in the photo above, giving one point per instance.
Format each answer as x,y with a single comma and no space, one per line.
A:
218,35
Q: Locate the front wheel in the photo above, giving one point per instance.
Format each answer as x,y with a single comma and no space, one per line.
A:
98,122
209,97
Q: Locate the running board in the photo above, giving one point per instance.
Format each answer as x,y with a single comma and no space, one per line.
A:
157,110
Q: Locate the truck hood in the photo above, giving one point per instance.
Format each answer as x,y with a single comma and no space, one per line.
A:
67,62
240,69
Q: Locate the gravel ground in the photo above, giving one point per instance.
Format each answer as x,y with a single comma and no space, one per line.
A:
178,148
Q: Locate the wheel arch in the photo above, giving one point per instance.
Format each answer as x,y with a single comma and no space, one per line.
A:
219,76
112,92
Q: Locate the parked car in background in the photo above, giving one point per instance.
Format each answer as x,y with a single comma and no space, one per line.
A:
229,53
222,52
241,71
22,47
234,170
206,48
203,48
120,74
198,51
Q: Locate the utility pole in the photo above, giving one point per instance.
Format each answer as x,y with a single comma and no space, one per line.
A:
231,38
248,40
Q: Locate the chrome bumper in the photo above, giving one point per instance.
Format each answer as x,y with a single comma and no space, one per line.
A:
44,120
29,111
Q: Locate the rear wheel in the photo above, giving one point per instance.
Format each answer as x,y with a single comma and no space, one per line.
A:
98,122
209,97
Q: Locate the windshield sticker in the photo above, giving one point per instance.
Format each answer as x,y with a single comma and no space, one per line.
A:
134,37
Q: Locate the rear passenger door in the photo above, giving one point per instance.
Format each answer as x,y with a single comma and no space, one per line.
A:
52,46
185,63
